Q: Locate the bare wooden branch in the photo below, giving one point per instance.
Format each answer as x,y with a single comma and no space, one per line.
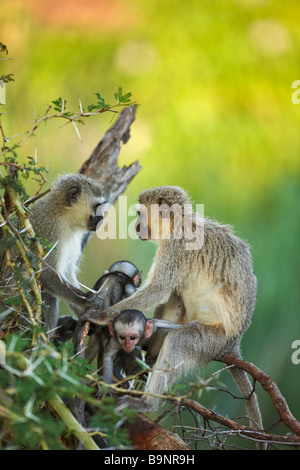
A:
209,415
242,429
270,386
102,165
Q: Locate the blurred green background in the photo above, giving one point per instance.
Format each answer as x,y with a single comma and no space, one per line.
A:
214,81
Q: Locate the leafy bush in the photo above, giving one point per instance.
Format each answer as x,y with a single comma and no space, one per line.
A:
39,381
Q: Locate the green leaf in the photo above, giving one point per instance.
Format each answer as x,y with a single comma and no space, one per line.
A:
7,78
122,98
59,104
3,48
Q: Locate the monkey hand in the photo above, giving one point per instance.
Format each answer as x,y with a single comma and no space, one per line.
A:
94,300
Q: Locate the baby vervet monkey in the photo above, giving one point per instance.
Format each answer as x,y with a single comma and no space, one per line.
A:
214,281
129,330
121,280
66,217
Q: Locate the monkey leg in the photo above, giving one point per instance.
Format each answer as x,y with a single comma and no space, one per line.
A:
187,348
93,348
244,384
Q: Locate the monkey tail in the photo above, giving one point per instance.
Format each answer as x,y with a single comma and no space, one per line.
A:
244,384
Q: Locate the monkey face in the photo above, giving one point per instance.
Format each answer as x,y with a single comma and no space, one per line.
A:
163,216
96,217
143,226
155,222
83,203
128,339
85,214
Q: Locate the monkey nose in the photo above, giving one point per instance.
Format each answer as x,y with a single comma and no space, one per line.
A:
128,346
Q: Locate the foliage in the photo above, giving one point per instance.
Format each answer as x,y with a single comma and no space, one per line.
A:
8,77
31,380
217,119
36,374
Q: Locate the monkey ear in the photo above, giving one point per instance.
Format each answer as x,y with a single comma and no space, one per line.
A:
149,329
137,278
111,328
73,194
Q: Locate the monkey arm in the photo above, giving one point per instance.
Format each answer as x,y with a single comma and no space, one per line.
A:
156,290
57,286
109,354
143,299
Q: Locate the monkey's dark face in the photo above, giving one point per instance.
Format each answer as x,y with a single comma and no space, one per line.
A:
142,226
95,217
154,222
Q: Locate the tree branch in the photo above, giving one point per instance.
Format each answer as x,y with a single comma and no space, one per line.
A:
242,429
147,435
102,165
270,386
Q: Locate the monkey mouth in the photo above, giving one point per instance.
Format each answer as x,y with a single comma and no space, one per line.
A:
93,222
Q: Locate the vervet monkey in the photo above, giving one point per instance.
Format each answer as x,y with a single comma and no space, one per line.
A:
129,330
66,217
126,365
65,328
215,283
121,280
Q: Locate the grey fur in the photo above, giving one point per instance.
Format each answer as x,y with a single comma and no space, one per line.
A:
216,286
65,217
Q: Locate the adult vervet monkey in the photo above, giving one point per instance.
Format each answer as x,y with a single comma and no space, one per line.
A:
66,217
214,283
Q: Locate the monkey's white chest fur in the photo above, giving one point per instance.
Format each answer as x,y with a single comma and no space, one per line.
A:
70,251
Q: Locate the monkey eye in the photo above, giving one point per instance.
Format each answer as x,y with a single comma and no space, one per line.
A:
122,337
132,338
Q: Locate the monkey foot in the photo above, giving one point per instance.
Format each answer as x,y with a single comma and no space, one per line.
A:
139,404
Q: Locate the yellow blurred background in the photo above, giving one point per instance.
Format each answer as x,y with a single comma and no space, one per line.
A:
214,83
